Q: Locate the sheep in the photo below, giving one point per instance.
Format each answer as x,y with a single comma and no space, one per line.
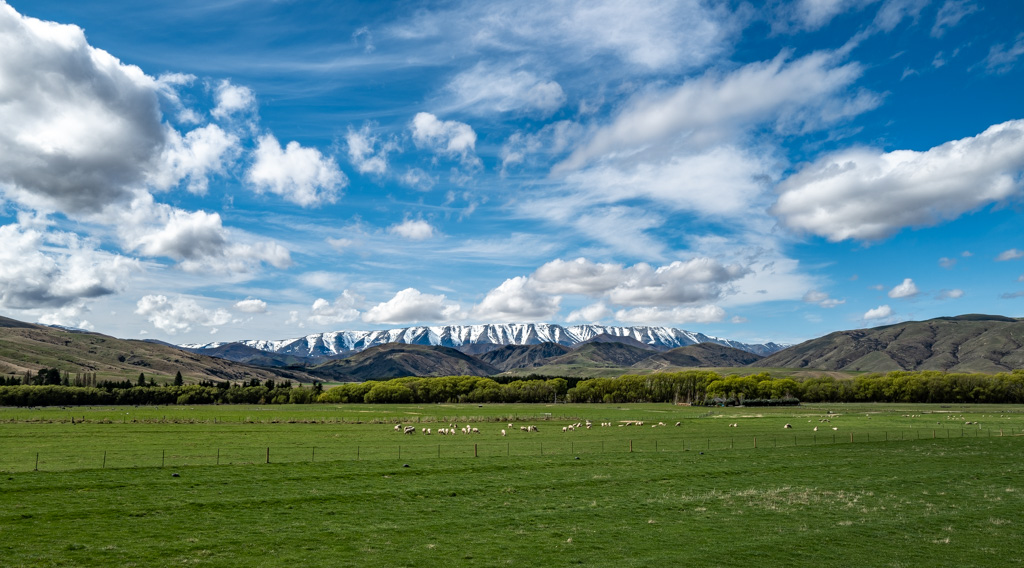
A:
523,428
565,429
532,428
678,423
398,427
510,425
427,432
788,426
835,428
475,431
502,431
424,430
815,428
410,430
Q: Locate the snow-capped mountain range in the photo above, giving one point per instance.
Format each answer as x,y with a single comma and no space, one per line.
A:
478,338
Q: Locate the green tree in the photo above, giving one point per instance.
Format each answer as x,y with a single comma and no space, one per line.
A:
178,381
142,380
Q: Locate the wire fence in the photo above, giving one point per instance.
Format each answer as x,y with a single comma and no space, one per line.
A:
420,449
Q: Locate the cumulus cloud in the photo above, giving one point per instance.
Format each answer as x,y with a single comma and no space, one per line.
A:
1011,254
232,99
517,300
867,194
592,313
671,316
487,89
445,137
196,239
251,306
367,152
905,289
413,229
947,263
80,128
303,176
343,309
410,306
695,280
178,314
195,156
56,270
881,312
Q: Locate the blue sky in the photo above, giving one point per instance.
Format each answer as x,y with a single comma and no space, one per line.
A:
200,171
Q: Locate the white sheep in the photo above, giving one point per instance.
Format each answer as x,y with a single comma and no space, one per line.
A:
503,432
678,423
398,427
510,425
410,430
475,431
788,426
565,428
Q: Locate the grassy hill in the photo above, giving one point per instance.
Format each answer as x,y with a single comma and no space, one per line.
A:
402,360
28,347
970,343
700,355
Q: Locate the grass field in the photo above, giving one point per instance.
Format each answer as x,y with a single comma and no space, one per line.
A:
916,487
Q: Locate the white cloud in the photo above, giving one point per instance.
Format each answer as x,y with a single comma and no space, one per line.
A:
1001,59
947,263
815,14
446,137
951,294
881,312
738,319
950,14
343,309
868,194
488,89
232,99
303,176
196,239
591,314
1010,254
367,152
412,306
641,35
517,300
413,229
551,140
714,107
56,270
201,152
71,315
80,128
178,314
418,179
905,289
822,299
251,306
695,280
893,12
671,316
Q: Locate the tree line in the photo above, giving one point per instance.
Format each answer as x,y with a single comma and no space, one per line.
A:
691,387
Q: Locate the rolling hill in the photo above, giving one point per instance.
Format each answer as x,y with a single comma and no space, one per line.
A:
700,355
522,356
970,343
402,360
29,347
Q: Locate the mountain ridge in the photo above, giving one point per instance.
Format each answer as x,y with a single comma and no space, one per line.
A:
472,338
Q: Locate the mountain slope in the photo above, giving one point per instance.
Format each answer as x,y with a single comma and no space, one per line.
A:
602,355
29,347
522,356
700,355
400,360
481,338
969,343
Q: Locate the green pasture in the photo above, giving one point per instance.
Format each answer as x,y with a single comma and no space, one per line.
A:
916,486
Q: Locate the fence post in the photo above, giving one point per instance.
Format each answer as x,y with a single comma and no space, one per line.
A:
357,453
104,459
37,461
851,437
755,442
163,457
268,454
630,446
314,454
